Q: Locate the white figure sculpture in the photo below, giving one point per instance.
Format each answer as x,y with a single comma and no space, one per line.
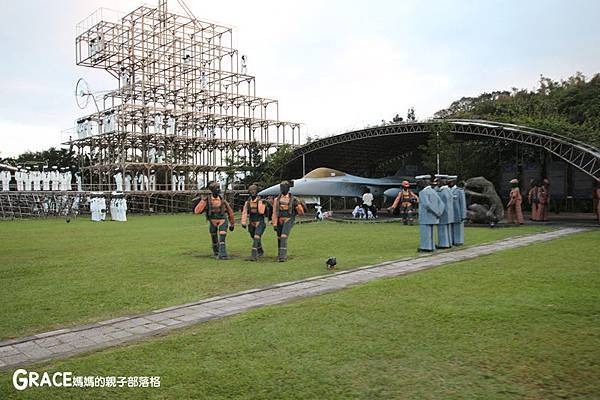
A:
181,181
98,208
152,181
160,155
60,179
125,79
54,176
102,205
68,181
118,181
4,181
143,182
170,125
174,182
152,155
75,206
36,180
17,176
42,177
113,207
121,210
109,122
118,207
78,182
128,182
45,180
158,121
26,178
36,176
203,80
244,65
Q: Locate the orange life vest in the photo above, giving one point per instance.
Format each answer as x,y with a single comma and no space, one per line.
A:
407,198
216,208
256,210
284,210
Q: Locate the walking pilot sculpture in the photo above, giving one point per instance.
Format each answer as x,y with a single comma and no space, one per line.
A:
431,208
253,217
218,212
285,209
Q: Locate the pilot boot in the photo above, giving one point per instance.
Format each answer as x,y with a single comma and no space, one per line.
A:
260,250
255,246
215,245
222,248
282,257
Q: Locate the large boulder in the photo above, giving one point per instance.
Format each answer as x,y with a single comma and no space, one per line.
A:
483,203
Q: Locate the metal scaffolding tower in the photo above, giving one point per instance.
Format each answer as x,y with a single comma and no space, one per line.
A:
185,105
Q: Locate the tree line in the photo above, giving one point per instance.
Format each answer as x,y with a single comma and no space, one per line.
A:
570,107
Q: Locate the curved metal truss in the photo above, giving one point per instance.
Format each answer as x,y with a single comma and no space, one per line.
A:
582,156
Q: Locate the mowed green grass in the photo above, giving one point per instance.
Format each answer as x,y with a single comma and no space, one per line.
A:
518,324
56,274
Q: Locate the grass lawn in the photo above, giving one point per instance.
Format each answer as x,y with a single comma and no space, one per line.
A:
55,274
522,323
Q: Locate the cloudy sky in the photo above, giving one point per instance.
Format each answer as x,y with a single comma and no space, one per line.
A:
334,65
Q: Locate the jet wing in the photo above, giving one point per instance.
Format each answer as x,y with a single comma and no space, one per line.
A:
327,182
320,187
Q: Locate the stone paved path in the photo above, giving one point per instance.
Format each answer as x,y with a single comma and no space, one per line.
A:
66,342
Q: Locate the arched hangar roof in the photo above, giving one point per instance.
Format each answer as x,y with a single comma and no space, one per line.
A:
362,150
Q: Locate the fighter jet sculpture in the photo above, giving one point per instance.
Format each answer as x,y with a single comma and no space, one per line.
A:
330,182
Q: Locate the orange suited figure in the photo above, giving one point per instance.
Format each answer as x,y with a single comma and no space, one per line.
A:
253,217
544,198
407,200
285,209
218,213
514,203
533,199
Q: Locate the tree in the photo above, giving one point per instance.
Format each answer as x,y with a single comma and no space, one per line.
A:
267,172
570,107
59,157
464,157
233,165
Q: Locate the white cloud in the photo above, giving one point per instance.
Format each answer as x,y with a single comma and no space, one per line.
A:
17,137
334,65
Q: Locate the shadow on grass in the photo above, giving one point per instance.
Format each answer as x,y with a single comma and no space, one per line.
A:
232,257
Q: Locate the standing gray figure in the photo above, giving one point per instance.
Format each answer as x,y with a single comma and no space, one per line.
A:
447,217
460,212
431,208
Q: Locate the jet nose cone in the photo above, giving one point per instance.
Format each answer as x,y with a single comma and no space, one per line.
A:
391,193
270,191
